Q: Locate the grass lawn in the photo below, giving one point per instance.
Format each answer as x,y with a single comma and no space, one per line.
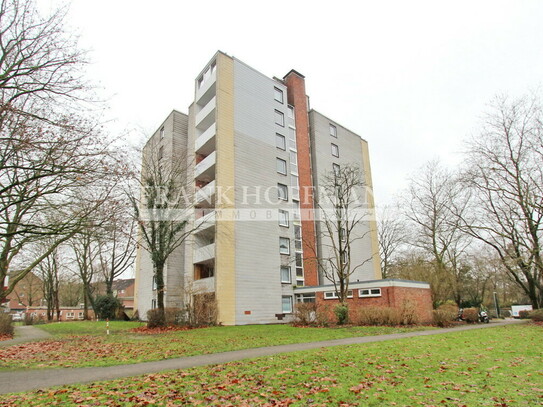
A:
501,366
69,350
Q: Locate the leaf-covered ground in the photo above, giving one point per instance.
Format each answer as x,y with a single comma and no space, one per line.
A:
122,346
501,367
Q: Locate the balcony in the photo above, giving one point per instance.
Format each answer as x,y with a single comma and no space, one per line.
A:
205,219
206,116
204,254
205,169
205,196
207,89
205,142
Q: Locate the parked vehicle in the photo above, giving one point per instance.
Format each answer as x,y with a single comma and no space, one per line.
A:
483,317
460,316
515,310
17,317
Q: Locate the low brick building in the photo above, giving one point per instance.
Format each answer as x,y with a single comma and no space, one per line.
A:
384,293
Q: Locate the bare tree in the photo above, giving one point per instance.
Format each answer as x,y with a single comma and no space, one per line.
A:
436,231
343,210
48,270
164,210
392,235
505,175
47,151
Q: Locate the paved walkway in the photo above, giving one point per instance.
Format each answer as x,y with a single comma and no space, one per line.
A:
25,380
26,333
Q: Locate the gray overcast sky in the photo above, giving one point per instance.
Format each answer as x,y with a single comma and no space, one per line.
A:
411,77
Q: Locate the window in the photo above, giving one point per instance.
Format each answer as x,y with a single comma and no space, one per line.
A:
279,118
369,292
308,297
284,245
337,169
293,162
342,234
335,150
153,304
285,275
296,214
294,184
162,133
283,218
280,141
291,112
333,131
69,315
154,282
278,94
282,192
299,260
331,295
80,315
286,304
281,166
160,152
292,138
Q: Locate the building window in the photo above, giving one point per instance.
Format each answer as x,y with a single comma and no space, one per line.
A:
162,133
293,162
280,141
80,315
69,315
369,292
279,118
296,214
294,184
160,152
308,297
283,218
285,275
284,245
342,234
153,304
281,166
291,112
335,150
332,295
292,138
333,131
337,169
278,94
282,192
286,303
154,282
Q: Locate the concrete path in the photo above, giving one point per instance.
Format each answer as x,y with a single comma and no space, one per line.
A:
27,333
18,381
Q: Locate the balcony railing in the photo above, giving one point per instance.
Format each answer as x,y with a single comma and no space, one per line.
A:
204,254
205,142
205,169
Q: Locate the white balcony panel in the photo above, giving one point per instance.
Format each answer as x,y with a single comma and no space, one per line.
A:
205,169
203,223
205,197
204,254
205,285
205,143
206,116
207,89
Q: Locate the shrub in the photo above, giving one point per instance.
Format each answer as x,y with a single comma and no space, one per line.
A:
536,315
202,311
323,315
342,314
408,314
378,316
471,315
442,318
155,318
305,313
107,306
524,314
6,324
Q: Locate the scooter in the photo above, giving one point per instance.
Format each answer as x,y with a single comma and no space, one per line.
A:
483,317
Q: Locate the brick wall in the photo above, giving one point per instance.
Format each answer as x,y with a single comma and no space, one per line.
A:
421,299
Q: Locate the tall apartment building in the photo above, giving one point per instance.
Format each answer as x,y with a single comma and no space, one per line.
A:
257,155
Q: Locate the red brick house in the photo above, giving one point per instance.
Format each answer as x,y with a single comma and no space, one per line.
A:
388,292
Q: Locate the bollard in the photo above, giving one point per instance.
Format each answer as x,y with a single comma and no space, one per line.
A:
107,326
